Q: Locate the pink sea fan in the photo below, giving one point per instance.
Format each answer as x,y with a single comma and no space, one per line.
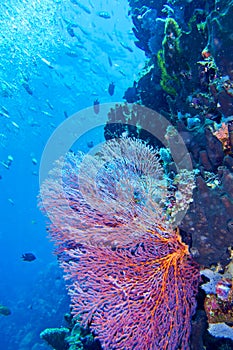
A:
138,297
111,197
131,279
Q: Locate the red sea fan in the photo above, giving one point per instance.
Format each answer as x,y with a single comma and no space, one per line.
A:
139,297
88,198
131,279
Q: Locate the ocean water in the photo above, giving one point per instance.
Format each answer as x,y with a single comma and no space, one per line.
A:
143,224
56,59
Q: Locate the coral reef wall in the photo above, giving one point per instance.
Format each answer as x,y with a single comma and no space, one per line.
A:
188,78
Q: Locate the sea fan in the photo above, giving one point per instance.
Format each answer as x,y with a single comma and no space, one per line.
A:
111,197
131,279
139,297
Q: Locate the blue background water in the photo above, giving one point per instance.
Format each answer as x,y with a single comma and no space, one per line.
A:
34,100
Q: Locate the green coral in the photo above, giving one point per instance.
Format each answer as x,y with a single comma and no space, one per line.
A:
166,81
197,20
172,34
169,57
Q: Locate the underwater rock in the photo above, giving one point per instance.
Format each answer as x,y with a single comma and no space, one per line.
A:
214,149
207,219
199,324
131,94
204,160
56,337
82,339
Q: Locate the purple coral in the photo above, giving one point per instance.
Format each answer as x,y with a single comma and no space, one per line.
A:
136,297
131,279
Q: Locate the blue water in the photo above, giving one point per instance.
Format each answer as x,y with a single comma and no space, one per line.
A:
47,74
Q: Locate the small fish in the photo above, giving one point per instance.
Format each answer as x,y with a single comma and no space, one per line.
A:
72,54
28,257
96,106
110,37
125,46
33,109
47,113
25,76
49,104
4,110
67,86
27,88
34,123
80,46
46,62
34,161
122,73
84,31
81,6
104,14
86,59
7,163
10,200
111,89
90,144
110,61
3,114
70,30
15,124
4,310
